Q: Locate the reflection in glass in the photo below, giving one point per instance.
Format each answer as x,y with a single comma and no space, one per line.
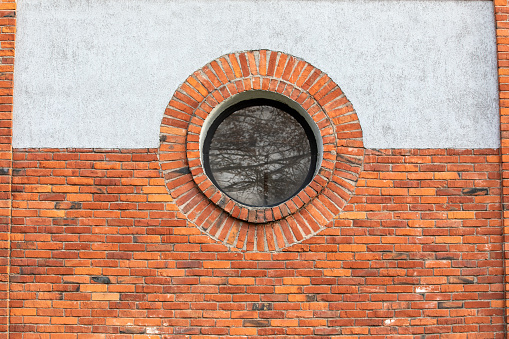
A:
260,155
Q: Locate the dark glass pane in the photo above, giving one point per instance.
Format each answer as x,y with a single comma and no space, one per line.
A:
260,155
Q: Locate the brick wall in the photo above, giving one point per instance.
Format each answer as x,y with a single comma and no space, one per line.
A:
7,25
502,25
99,249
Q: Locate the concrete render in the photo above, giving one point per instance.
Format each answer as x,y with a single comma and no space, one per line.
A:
94,73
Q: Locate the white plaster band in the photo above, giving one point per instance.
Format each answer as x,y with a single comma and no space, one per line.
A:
94,73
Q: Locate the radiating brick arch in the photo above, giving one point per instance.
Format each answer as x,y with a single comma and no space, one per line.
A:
260,228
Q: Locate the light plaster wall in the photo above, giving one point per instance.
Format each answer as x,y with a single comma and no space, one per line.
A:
94,73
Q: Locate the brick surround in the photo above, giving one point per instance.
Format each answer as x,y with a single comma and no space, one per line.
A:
94,246
236,225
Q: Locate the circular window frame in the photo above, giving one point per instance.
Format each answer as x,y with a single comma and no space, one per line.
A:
260,74
207,135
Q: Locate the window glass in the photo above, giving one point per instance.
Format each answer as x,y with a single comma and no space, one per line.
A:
260,152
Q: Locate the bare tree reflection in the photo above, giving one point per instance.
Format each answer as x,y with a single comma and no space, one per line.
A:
260,155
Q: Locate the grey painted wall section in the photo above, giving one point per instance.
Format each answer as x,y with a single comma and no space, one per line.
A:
94,73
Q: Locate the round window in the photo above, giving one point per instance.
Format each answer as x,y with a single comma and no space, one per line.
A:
260,152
